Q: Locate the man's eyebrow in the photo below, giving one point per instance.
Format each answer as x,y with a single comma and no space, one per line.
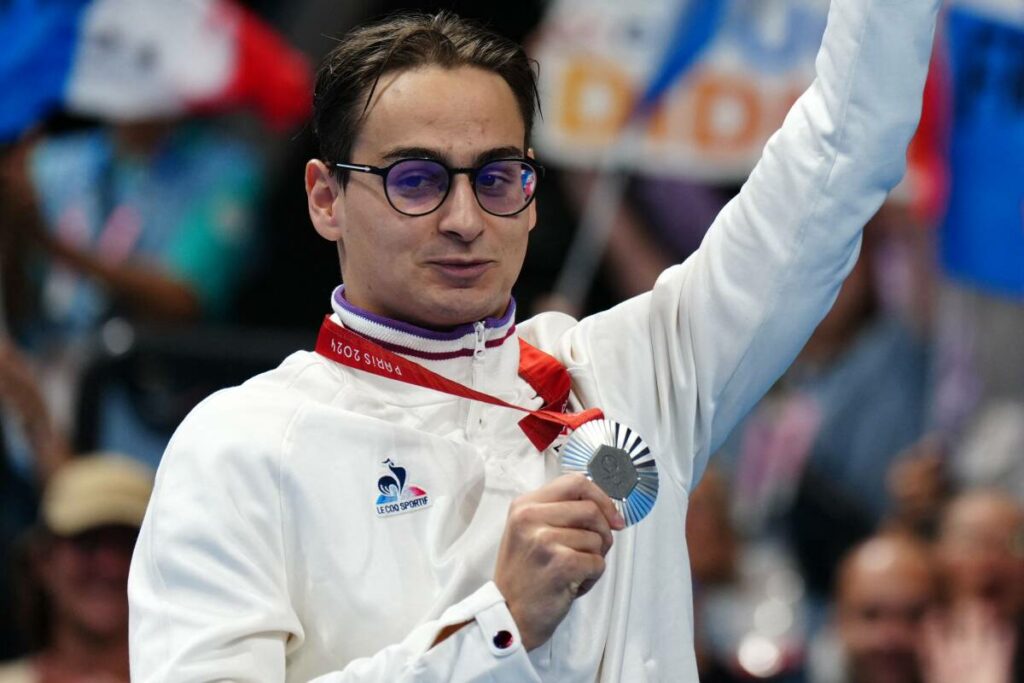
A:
498,153
426,153
413,153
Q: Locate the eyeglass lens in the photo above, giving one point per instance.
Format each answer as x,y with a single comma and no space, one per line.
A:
418,186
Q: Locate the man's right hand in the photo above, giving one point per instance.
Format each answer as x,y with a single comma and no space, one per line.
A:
553,551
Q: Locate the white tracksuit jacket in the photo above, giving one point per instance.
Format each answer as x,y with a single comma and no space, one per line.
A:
263,556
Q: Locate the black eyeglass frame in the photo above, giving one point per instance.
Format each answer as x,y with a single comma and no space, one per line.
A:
383,172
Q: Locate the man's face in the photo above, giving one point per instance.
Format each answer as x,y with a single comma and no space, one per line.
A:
981,552
457,264
86,577
882,603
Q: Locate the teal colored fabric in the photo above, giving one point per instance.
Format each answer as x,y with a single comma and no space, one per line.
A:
189,209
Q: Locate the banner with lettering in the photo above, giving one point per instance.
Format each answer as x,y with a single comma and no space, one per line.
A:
721,75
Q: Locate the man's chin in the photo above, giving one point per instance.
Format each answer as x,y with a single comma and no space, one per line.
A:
456,310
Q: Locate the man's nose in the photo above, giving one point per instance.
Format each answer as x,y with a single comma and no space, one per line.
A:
111,561
461,215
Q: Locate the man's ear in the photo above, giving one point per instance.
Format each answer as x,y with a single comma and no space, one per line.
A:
322,193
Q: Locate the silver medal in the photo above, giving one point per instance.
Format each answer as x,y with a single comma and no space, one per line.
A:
615,458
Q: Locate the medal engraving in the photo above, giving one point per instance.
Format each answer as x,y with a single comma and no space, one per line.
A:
613,470
615,458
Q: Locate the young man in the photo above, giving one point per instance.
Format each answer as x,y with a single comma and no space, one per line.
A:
272,549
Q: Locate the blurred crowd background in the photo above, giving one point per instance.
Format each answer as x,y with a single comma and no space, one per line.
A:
864,524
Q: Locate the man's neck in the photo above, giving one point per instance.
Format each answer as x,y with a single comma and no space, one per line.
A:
342,297
462,342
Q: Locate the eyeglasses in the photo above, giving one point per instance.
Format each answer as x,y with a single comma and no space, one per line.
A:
416,187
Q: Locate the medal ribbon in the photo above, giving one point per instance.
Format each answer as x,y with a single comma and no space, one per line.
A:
541,426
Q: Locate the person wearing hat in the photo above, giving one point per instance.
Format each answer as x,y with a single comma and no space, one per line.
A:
76,565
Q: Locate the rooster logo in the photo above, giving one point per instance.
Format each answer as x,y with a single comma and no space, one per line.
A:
395,496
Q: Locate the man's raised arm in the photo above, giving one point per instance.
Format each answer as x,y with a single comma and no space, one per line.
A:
685,362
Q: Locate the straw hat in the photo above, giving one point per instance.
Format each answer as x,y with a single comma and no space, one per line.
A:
96,490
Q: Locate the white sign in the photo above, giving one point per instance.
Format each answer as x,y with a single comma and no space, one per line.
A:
598,56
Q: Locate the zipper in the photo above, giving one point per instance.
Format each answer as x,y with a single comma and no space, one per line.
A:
474,418
481,342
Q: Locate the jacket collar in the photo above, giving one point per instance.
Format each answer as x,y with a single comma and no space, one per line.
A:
418,342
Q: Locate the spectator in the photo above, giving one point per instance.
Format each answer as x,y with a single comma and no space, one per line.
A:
981,555
811,459
708,528
918,486
24,419
76,568
885,587
981,551
750,618
148,220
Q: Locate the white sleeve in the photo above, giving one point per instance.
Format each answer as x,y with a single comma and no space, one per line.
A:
470,654
208,591
684,362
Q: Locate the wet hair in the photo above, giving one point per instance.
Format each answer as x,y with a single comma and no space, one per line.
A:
348,76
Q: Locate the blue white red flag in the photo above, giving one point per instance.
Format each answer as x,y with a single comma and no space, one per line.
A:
124,60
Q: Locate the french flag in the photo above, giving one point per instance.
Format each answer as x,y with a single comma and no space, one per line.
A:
126,60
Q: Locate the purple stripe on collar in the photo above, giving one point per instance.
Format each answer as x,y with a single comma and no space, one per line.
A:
439,355
450,335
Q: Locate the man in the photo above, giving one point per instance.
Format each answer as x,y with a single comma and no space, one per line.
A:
78,572
272,550
981,551
981,556
884,589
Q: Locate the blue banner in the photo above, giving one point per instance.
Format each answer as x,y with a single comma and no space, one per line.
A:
982,240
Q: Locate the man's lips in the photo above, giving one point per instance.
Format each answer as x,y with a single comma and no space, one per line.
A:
462,268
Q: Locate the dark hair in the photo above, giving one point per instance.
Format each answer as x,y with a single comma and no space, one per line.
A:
348,76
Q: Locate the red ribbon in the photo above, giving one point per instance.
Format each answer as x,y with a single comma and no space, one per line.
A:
543,372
